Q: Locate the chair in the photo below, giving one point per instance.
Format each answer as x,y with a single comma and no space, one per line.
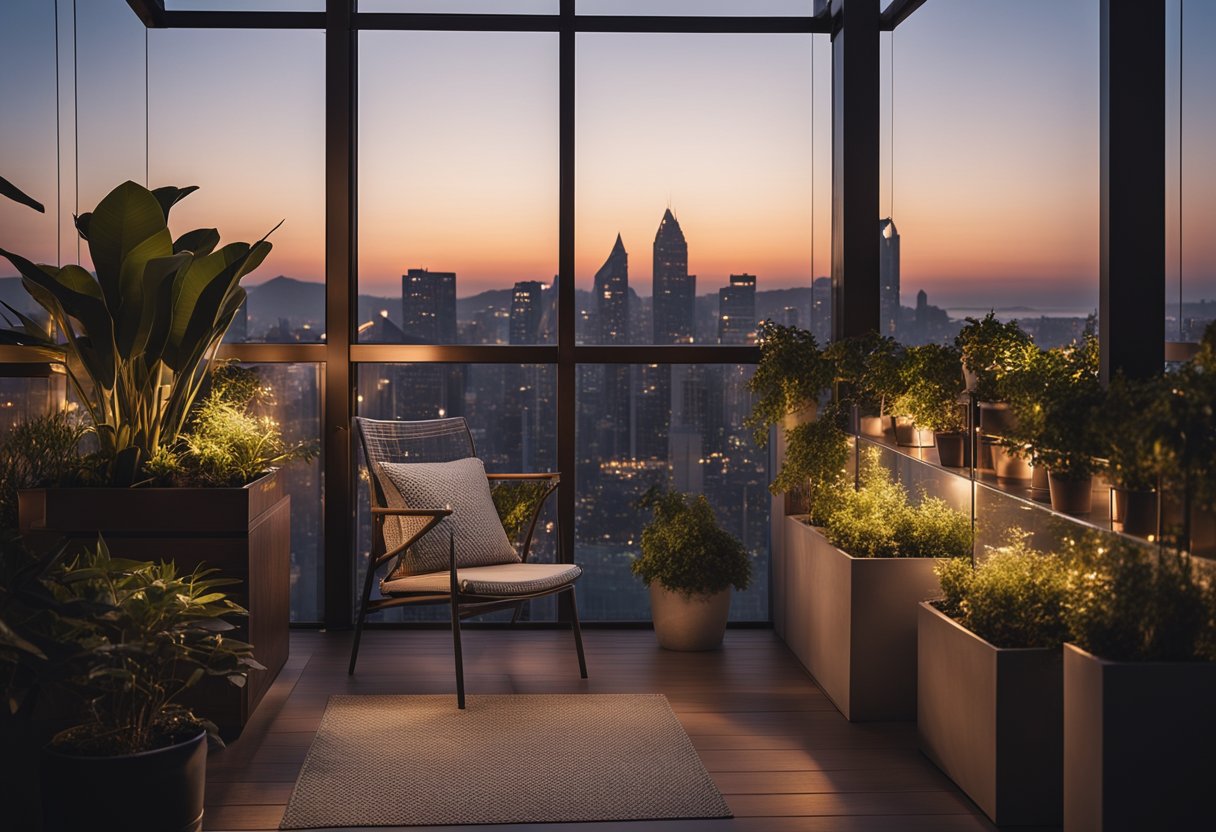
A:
469,586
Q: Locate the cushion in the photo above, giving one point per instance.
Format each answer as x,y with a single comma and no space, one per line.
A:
462,485
503,579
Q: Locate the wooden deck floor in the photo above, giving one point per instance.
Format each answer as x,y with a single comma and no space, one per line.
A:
780,753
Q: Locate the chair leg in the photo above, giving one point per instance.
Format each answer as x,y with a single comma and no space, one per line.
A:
367,594
578,635
515,615
456,650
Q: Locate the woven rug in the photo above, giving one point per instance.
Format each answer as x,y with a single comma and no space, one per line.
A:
418,760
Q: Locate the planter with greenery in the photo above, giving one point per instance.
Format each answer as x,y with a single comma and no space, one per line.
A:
125,640
137,343
867,374
790,377
1071,439
1139,682
990,681
990,351
931,388
1138,418
689,563
852,587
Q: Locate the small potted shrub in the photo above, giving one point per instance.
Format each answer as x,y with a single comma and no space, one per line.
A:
788,380
1023,386
1072,439
867,375
990,681
931,387
142,635
990,350
1139,682
816,457
851,587
689,563
1143,448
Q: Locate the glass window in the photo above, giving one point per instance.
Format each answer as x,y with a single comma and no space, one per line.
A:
694,175
458,164
991,174
511,410
245,5
462,6
698,8
262,163
677,426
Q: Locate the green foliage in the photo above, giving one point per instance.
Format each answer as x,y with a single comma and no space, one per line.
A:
991,350
516,501
10,191
226,443
877,521
1144,443
684,548
151,635
816,456
1016,598
1071,436
1189,438
39,452
868,372
137,337
1129,604
932,382
792,371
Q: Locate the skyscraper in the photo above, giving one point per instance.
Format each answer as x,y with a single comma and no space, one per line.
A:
612,297
527,306
737,310
675,290
888,273
428,306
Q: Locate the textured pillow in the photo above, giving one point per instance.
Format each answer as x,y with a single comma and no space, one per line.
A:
480,539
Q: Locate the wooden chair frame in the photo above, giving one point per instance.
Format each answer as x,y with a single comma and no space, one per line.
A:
463,604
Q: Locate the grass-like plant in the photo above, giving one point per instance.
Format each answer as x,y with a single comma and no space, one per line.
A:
38,452
684,548
792,372
932,382
878,521
990,350
1017,597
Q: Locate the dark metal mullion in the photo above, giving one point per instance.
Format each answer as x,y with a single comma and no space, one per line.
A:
703,25
341,67
566,358
246,20
420,22
897,12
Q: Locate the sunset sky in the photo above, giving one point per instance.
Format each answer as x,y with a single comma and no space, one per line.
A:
995,152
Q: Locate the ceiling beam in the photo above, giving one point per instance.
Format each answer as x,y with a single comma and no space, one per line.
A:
151,12
896,13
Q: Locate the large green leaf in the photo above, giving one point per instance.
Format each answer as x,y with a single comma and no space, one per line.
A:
196,309
135,306
200,241
14,193
128,216
169,196
80,298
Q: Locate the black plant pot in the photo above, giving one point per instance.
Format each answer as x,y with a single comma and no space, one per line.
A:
153,791
953,449
1071,496
1135,510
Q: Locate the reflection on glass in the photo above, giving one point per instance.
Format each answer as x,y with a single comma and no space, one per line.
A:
457,187
693,186
677,426
511,410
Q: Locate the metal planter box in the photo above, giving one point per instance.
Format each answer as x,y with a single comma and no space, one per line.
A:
1138,739
991,718
852,622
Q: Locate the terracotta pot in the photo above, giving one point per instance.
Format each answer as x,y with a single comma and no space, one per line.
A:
154,791
875,427
1040,488
1008,466
1071,496
1135,511
688,622
952,449
908,435
996,419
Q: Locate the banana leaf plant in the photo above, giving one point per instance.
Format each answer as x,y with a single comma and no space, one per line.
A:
139,335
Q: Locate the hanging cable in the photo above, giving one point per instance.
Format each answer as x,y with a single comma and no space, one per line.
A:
1181,40
812,316
76,120
147,129
891,161
58,158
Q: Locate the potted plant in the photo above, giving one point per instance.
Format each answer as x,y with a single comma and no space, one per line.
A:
1072,440
816,457
931,388
689,563
867,376
990,349
137,343
851,587
1139,680
1137,416
990,681
1023,387
126,639
788,380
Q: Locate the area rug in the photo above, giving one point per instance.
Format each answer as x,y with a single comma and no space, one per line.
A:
418,760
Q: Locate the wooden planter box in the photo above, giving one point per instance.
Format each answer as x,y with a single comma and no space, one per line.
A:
1138,739
852,622
992,719
243,532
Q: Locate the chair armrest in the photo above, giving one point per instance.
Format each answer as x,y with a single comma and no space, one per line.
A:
435,515
552,480
552,475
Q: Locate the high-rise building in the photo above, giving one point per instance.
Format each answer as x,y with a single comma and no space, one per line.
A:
888,274
737,310
527,307
612,297
789,316
428,307
674,290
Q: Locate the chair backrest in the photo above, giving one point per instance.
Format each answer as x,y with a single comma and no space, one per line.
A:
433,440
